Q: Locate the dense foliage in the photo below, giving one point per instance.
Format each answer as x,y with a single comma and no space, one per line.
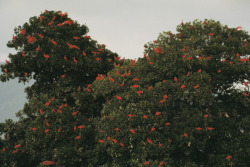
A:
176,106
63,61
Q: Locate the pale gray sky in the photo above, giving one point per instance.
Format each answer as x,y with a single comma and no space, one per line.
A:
124,25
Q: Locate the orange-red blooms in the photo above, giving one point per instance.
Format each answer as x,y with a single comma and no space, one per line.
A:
121,144
237,54
145,116
101,141
245,83
145,163
198,128
185,134
152,129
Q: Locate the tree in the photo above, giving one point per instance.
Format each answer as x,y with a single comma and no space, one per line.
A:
178,106
56,52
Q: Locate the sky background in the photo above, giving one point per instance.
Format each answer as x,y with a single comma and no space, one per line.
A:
123,25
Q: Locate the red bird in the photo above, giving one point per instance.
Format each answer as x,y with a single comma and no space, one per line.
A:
47,163
114,140
22,32
41,18
31,39
16,146
37,49
168,123
76,37
132,131
23,54
46,131
77,137
81,127
74,59
46,56
157,113
149,141
139,92
74,113
130,115
210,128
135,86
54,42
195,87
118,97
34,129
211,34
40,35
182,86
228,157
41,112
50,23
67,22
136,79
73,46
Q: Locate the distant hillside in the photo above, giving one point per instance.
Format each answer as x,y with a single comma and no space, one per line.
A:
12,98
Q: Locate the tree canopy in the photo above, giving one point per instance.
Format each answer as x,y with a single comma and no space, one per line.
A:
176,106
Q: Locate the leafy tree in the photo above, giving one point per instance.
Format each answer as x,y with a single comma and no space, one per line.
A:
56,123
179,106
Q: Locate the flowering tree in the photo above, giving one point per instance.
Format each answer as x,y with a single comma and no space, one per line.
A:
178,105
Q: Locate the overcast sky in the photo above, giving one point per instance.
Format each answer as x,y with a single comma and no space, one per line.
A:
123,25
